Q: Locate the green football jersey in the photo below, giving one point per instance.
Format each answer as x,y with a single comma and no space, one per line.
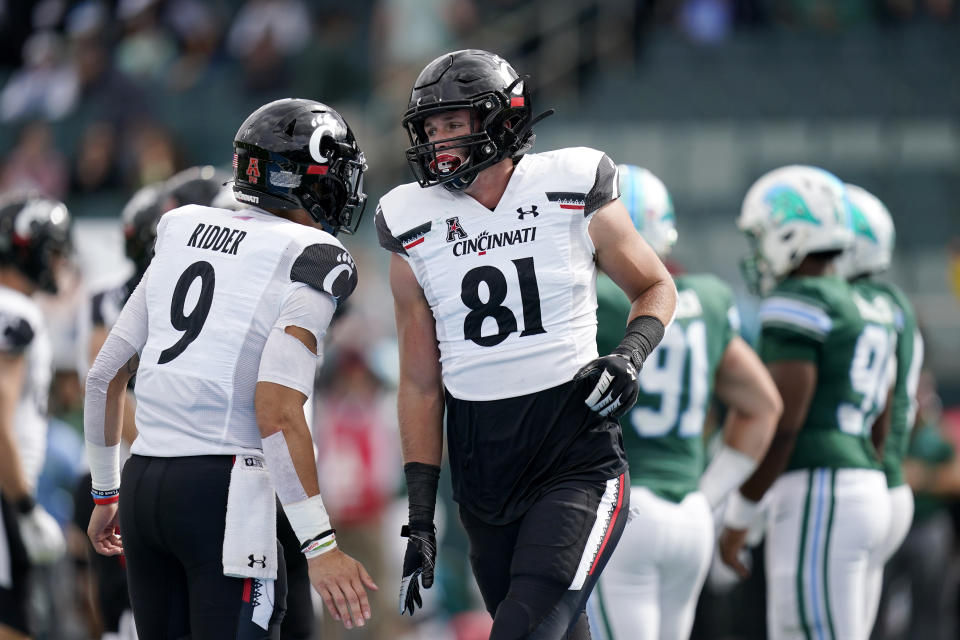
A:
849,334
909,359
662,433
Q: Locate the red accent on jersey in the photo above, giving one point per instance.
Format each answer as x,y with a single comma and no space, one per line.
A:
253,169
247,582
578,207
415,242
317,170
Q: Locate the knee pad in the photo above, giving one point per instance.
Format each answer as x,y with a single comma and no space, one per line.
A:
514,620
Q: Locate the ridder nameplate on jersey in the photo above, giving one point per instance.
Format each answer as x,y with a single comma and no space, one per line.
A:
216,238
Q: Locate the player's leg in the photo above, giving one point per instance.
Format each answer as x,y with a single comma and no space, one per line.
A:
298,621
860,508
684,564
156,580
625,602
901,517
221,607
564,542
491,552
788,522
14,576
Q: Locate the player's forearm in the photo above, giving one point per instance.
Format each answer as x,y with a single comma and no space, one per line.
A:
750,432
420,412
658,300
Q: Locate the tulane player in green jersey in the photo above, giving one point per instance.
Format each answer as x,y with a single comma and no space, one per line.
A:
650,587
869,256
828,347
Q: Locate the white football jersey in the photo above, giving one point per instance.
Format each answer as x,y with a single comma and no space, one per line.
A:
513,290
214,291
23,331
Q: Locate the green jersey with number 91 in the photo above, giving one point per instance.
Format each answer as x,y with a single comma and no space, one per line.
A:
909,360
662,433
849,333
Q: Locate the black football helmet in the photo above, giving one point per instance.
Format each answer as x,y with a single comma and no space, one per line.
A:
140,217
34,231
501,116
301,154
196,185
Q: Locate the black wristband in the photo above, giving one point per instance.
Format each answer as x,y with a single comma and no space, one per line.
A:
25,504
422,481
644,333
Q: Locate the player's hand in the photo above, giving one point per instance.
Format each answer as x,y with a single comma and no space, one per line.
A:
617,387
104,529
340,581
732,543
418,562
42,536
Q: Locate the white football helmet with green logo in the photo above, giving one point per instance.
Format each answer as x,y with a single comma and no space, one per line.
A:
874,236
650,207
788,214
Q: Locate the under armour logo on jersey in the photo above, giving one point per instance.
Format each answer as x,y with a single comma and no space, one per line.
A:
262,562
253,169
533,210
454,230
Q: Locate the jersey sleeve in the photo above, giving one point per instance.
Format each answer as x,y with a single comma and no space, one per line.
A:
385,237
606,186
16,333
792,328
328,268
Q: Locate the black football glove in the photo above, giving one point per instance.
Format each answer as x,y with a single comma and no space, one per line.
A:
418,561
617,386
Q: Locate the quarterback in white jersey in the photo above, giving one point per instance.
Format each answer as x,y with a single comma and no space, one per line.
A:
34,233
224,331
493,272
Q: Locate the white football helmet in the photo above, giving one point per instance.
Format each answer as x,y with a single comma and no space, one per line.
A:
788,214
650,207
874,236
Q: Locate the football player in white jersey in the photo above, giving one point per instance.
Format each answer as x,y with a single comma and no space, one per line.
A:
493,272
650,587
223,332
34,235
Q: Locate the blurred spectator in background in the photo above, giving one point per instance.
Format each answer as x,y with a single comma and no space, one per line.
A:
95,165
198,30
35,163
146,50
45,86
155,154
355,429
263,34
927,562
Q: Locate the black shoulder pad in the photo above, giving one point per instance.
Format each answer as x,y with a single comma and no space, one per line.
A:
327,268
387,240
605,187
16,334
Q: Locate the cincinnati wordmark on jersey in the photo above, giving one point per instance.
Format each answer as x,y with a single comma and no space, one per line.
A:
512,290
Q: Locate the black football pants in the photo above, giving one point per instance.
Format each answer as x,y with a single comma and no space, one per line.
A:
536,573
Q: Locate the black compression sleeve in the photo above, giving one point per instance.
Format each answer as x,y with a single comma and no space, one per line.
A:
422,480
643,334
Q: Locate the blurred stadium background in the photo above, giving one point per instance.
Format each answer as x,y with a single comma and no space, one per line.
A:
101,97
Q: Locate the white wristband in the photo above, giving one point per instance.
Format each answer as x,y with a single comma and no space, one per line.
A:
740,512
727,471
308,518
104,466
